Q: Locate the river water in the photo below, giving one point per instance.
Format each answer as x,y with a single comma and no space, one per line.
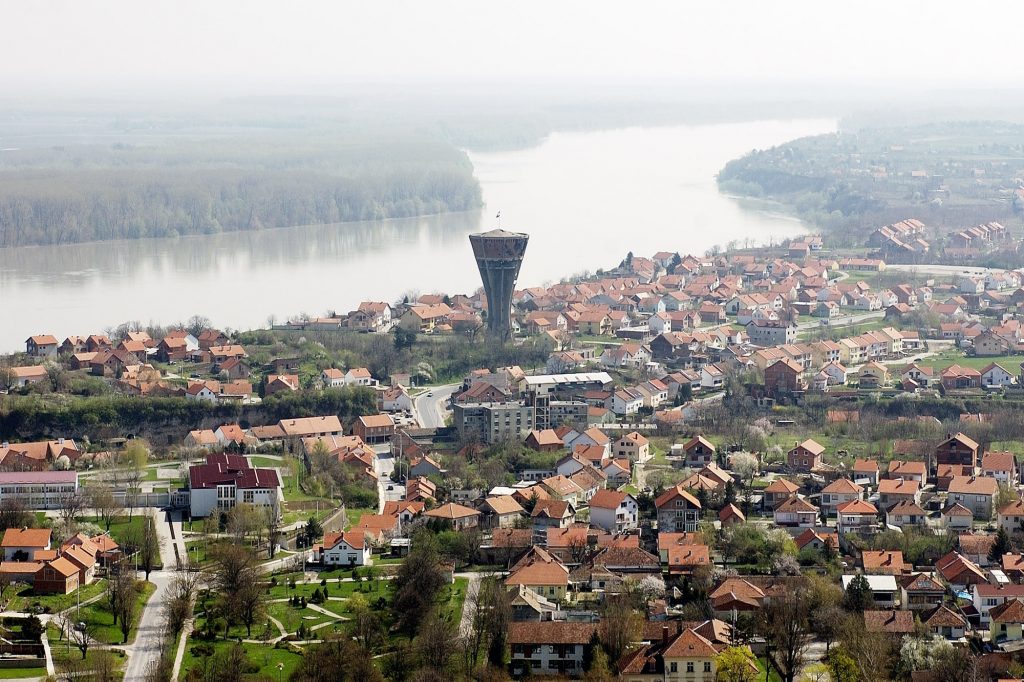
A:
585,199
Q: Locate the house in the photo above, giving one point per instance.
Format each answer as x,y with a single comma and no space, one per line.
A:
891,491
541,572
501,511
374,428
957,517
37,455
839,492
424,465
806,456
957,449
977,493
873,375
684,656
856,517
201,438
614,511
359,376
817,540
59,576
678,511
865,471
549,647
995,376
796,511
1011,517
884,590
28,374
395,399
921,591
1007,621
956,377
783,377
986,597
633,446
892,622
41,346
730,515
348,548
906,514
460,517
959,571
837,373
1002,466
884,562
544,440
911,471
619,473
226,480
22,544
699,451
778,491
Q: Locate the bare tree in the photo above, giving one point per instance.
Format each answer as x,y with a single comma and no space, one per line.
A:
785,627
249,600
82,635
149,546
136,455
272,521
14,514
104,504
71,507
181,595
620,625
127,610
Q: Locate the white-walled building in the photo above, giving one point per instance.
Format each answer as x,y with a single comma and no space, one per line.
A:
226,480
348,548
613,510
38,489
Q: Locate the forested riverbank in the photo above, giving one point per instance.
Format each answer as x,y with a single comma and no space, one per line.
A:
94,192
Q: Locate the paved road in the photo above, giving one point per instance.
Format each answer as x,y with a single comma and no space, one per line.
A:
384,466
840,322
432,406
149,637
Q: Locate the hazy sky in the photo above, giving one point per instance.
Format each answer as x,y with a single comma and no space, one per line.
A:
280,46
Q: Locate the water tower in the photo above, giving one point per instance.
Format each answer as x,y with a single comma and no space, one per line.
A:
499,254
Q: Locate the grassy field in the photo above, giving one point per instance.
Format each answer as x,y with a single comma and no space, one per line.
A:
1011,363
21,598
267,462
21,673
65,653
355,513
98,615
265,657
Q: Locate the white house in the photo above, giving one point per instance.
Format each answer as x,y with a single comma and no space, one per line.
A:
348,548
659,323
396,399
627,401
226,480
332,377
201,392
986,596
613,510
995,376
359,376
884,589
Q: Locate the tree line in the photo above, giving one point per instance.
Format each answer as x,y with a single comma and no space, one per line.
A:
97,192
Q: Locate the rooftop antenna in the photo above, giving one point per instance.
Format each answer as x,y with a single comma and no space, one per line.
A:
498,218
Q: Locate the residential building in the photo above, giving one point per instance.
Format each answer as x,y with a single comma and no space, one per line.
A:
838,492
614,511
806,456
796,511
678,511
460,517
348,548
226,480
986,597
24,544
977,493
549,647
957,449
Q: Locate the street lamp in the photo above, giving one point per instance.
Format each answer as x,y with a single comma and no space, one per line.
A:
280,671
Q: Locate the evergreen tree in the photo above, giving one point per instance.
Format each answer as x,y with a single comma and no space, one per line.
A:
1000,547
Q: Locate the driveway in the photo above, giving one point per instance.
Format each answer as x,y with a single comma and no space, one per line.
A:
149,639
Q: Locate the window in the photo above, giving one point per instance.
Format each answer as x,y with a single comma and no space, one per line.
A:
673,667
689,666
707,666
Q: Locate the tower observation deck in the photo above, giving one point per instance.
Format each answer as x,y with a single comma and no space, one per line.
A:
499,254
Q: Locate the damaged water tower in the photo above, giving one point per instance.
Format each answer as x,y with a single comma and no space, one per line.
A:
499,254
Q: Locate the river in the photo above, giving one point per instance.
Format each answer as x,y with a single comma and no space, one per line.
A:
585,198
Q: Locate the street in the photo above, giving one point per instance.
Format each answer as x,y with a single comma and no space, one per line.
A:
432,406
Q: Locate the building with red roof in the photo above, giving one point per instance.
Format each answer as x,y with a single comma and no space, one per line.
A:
226,480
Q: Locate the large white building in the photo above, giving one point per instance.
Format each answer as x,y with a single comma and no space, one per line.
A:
38,489
226,480
349,548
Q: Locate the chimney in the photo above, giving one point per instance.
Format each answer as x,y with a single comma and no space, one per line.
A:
664,635
60,441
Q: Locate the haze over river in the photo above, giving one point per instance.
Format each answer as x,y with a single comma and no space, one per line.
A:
584,198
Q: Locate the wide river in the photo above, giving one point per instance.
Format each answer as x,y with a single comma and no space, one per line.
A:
586,199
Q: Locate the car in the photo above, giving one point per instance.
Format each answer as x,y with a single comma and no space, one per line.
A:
391,487
430,394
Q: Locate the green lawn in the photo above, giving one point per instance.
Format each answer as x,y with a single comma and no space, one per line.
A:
266,657
64,652
1011,363
267,462
122,527
21,673
455,599
98,615
292,616
762,663
355,513
21,598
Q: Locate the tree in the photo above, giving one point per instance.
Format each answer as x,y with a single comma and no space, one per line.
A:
600,669
827,623
126,608
136,455
735,664
82,635
180,597
786,629
249,602
841,667
620,625
339,660
272,521
13,514
312,530
104,504
872,652
418,582
149,546
71,506
859,597
435,642
368,627
1000,546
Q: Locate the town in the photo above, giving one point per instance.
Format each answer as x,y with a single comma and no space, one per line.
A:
779,462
